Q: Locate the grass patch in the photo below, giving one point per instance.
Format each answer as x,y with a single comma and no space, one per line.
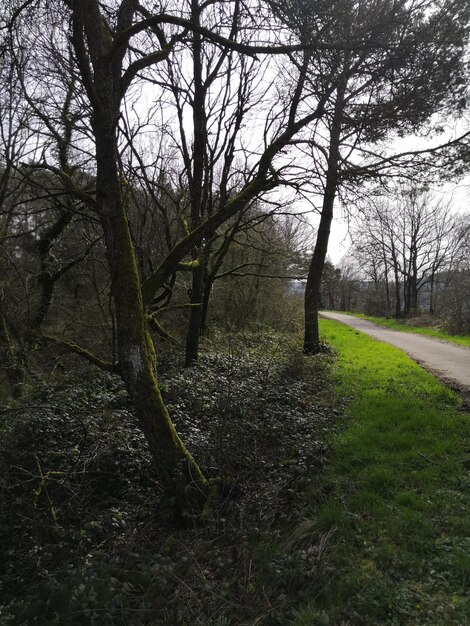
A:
403,325
400,510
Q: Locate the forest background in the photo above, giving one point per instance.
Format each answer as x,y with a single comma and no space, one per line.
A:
159,168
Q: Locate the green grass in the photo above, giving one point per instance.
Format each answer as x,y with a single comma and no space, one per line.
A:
463,340
400,509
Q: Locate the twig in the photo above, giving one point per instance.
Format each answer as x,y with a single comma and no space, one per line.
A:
426,458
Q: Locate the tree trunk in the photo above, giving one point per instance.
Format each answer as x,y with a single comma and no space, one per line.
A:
195,319
431,293
179,474
387,287
397,287
196,188
407,294
10,359
413,295
312,288
212,268
208,284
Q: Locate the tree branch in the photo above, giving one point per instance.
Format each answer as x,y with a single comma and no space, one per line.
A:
107,366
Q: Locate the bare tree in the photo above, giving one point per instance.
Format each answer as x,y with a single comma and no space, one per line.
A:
398,66
114,45
406,241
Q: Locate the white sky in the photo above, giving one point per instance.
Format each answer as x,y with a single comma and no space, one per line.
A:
459,193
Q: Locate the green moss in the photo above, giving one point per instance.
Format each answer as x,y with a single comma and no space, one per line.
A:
217,489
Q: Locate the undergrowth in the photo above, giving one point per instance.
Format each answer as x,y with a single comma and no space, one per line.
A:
85,534
356,519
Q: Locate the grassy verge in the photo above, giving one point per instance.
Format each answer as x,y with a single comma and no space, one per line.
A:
463,340
399,510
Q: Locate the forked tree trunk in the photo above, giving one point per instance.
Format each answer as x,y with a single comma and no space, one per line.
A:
101,72
179,474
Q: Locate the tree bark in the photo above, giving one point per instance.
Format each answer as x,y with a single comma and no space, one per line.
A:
179,474
195,319
196,182
208,284
312,288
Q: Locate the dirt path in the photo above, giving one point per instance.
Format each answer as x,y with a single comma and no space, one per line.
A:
447,361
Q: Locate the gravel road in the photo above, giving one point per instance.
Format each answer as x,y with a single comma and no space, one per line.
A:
447,361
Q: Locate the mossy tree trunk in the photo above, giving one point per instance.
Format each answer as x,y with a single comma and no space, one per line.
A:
179,474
